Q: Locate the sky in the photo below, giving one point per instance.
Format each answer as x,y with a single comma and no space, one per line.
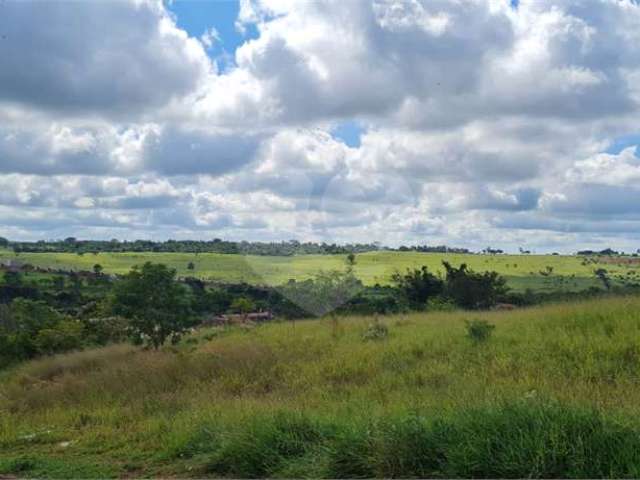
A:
510,124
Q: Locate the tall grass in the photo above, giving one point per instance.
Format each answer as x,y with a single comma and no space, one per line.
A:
553,392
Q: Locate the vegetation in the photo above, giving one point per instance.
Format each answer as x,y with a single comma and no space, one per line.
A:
552,392
522,272
156,305
292,247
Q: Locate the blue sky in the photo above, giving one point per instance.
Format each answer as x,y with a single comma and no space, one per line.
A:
198,16
624,142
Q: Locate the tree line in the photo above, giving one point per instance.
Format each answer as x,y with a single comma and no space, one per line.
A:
284,248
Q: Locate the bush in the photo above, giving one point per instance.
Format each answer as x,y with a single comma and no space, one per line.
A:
418,285
375,331
64,336
440,304
473,290
479,330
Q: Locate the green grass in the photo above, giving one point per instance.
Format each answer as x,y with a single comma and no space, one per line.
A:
522,271
553,392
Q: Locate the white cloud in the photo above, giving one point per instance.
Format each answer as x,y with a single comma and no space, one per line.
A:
484,124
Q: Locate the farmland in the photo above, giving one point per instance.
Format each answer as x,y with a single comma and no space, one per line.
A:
553,392
569,273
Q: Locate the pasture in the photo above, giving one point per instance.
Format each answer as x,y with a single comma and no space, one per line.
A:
553,392
569,273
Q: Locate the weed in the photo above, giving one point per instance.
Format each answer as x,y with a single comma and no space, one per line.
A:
479,330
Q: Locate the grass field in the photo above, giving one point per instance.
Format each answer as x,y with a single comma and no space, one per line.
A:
553,393
522,271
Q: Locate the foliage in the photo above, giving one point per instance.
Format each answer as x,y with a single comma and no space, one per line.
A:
242,305
12,278
156,305
292,247
418,285
21,324
602,275
324,293
473,290
479,330
375,331
64,336
440,304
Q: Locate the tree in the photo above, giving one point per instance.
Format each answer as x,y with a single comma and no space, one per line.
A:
242,305
351,261
602,275
324,293
23,322
58,283
191,266
12,278
473,290
418,285
155,304
4,243
97,269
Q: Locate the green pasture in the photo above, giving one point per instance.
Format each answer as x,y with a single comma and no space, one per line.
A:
522,271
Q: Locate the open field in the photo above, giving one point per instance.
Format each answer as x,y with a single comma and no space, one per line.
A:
554,392
522,271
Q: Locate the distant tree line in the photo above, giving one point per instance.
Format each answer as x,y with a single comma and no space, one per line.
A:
606,251
431,249
287,248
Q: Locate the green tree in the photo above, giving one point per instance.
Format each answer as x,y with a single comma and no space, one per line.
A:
324,293
58,283
22,323
62,337
242,305
418,285
351,262
12,278
603,275
155,304
473,290
97,269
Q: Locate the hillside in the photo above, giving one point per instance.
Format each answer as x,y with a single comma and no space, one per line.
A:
522,271
552,393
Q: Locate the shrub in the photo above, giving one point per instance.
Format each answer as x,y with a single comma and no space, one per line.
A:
440,304
375,331
479,330
64,336
418,285
473,290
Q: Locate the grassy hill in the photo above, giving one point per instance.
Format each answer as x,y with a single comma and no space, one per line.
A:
552,393
522,271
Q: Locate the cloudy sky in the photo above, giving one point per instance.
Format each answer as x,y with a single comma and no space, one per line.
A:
465,122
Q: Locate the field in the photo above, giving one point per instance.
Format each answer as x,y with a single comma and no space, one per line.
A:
554,392
570,273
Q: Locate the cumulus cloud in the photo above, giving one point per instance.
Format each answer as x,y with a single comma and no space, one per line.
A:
119,57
